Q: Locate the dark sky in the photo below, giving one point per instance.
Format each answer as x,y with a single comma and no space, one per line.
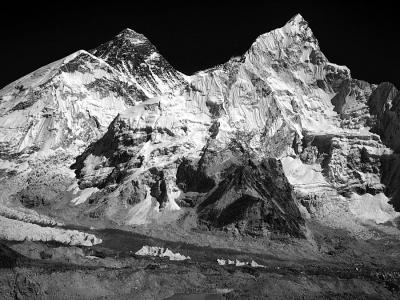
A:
197,36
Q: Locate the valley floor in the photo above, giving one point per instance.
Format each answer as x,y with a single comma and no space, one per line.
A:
337,267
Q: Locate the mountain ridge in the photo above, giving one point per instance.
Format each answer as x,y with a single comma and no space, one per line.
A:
282,99
274,164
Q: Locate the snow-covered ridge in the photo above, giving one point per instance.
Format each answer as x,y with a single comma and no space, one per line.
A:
74,99
281,99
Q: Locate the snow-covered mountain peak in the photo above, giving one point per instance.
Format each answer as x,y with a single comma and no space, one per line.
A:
295,40
298,22
74,55
298,25
132,36
134,55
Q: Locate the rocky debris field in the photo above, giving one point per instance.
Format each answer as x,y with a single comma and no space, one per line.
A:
115,270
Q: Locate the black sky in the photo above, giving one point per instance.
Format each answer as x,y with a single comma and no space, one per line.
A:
365,37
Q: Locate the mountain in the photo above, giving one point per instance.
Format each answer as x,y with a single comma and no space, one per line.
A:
50,115
277,154
282,99
65,103
74,99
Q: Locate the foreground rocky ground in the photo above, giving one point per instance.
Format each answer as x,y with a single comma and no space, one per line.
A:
336,267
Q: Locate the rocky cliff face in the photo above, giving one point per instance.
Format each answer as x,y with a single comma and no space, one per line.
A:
253,198
384,104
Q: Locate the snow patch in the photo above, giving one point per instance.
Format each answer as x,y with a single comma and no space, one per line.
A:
238,263
142,212
372,207
303,176
83,195
160,252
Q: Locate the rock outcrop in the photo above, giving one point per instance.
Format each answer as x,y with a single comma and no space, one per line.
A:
384,104
253,198
351,162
